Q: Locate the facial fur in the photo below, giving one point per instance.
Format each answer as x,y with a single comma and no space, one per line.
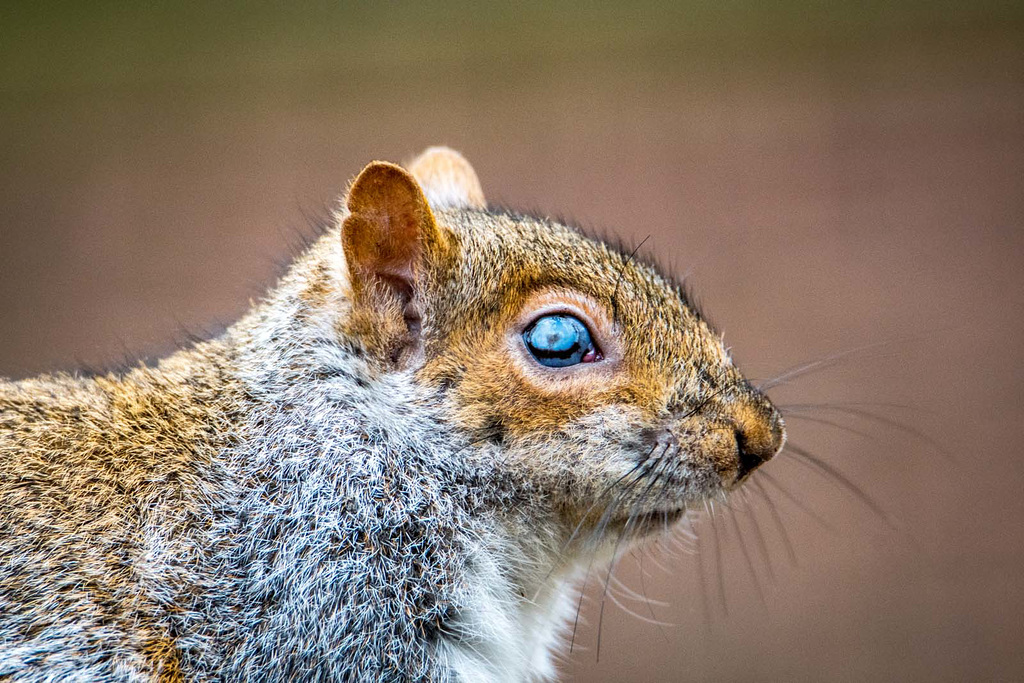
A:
665,412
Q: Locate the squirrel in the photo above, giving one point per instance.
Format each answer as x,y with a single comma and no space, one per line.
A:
396,466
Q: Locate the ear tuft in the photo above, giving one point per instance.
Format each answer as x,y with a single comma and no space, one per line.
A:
448,180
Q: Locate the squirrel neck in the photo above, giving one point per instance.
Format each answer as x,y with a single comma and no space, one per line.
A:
337,511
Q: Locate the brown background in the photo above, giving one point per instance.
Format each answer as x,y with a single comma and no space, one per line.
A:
830,177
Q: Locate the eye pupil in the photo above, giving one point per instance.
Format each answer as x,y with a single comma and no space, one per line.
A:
560,340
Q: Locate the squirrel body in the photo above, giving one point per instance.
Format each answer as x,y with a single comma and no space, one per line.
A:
371,476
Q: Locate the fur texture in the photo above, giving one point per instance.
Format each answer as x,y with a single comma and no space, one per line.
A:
367,477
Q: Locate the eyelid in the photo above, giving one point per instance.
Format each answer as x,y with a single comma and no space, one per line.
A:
605,335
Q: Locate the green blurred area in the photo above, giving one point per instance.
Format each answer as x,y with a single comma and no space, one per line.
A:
47,47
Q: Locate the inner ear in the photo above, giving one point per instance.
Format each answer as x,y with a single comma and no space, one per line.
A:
386,236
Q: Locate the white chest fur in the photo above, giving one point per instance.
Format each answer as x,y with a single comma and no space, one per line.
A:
503,635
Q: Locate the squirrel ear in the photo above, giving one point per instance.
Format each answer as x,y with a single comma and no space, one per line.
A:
387,229
448,180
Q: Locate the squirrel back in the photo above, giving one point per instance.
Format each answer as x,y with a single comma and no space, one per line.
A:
393,467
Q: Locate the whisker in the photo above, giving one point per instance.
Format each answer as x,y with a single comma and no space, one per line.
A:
619,584
761,543
717,546
579,606
888,421
705,601
600,617
701,404
643,588
834,358
640,555
597,501
586,515
599,531
746,556
654,560
816,462
618,278
609,512
820,364
641,617
794,499
774,512
647,599
830,423
856,404
615,551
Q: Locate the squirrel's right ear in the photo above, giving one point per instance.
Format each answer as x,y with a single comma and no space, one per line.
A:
388,228
447,179
388,237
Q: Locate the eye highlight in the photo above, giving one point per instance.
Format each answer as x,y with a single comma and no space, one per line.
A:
560,340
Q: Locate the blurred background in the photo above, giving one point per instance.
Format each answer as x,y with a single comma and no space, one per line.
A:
832,177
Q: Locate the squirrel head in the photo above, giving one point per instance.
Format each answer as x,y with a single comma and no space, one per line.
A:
568,361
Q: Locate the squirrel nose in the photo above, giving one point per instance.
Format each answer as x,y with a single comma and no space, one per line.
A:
760,434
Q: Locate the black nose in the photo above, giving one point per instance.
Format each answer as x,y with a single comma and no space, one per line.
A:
758,438
750,458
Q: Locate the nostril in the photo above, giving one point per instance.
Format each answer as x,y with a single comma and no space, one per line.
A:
749,458
759,434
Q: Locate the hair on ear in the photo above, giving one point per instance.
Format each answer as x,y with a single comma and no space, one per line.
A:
448,180
386,237
383,236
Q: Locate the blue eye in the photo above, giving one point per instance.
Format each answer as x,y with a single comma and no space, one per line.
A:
559,340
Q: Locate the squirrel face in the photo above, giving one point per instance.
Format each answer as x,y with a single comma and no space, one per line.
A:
577,367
